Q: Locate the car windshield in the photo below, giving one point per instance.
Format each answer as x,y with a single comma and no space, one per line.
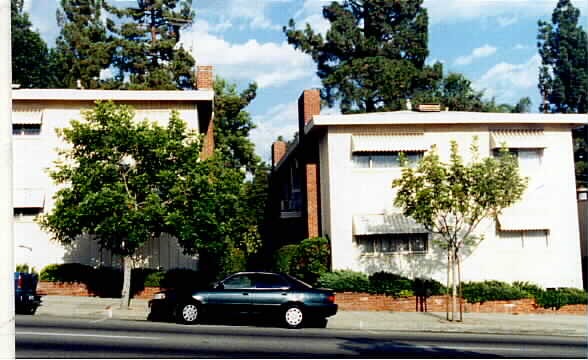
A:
297,281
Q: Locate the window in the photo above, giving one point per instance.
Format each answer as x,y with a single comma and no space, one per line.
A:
26,129
26,213
268,281
528,239
238,282
529,159
392,243
384,160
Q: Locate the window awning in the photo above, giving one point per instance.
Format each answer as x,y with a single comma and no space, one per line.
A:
385,224
27,117
390,142
524,218
29,198
518,139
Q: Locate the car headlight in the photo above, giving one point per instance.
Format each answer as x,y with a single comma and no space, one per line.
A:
159,296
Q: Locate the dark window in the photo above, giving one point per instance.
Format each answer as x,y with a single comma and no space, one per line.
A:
26,129
27,212
392,243
269,281
383,160
238,282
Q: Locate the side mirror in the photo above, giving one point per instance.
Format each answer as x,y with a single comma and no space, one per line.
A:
219,286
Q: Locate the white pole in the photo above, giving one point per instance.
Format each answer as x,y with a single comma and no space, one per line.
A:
6,211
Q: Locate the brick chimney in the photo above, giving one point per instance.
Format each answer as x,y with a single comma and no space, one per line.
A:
278,151
204,77
309,105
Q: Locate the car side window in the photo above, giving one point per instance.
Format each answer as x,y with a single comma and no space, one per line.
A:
267,281
238,282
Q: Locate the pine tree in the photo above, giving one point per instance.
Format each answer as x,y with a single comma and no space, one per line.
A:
373,55
563,74
147,56
83,49
29,51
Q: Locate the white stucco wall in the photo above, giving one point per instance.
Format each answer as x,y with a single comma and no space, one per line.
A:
33,154
552,263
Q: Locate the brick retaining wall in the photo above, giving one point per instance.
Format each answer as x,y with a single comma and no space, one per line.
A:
372,302
363,301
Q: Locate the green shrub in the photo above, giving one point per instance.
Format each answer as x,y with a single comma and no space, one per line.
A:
183,279
69,273
284,257
389,284
311,259
555,299
405,293
479,292
25,269
344,280
531,289
154,279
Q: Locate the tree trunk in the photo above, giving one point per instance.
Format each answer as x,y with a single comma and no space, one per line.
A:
447,296
125,300
453,287
460,292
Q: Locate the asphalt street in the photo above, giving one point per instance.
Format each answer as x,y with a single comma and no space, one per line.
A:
60,337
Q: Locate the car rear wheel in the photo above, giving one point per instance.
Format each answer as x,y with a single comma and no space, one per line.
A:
189,313
293,317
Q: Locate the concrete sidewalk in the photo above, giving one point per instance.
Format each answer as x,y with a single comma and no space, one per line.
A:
488,323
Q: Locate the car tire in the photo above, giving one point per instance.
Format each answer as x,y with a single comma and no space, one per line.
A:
189,313
293,317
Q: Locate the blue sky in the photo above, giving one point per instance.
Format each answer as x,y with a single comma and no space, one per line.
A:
492,42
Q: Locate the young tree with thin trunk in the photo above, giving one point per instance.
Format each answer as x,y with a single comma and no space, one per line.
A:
451,199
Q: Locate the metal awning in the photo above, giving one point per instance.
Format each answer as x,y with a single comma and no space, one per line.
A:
524,218
27,117
29,198
518,139
385,224
415,141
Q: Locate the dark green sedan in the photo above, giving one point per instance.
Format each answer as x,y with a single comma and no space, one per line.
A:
279,296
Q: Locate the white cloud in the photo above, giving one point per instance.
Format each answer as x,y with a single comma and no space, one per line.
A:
280,120
462,10
249,13
504,21
484,51
270,63
508,82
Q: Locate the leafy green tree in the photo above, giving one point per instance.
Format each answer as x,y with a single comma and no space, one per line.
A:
147,55
373,55
563,74
29,51
233,124
451,199
126,182
83,48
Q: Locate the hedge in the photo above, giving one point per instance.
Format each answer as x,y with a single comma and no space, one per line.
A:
379,283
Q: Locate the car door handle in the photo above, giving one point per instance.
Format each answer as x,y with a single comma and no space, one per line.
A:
245,293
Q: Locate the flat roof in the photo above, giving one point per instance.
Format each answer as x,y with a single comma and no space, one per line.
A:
443,118
115,95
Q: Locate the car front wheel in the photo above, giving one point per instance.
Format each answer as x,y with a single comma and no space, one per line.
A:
293,317
189,313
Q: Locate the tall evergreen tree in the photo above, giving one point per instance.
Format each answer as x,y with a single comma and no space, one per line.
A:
29,51
83,48
373,55
147,55
563,75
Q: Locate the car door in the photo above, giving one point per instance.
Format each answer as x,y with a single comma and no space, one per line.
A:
232,295
271,291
